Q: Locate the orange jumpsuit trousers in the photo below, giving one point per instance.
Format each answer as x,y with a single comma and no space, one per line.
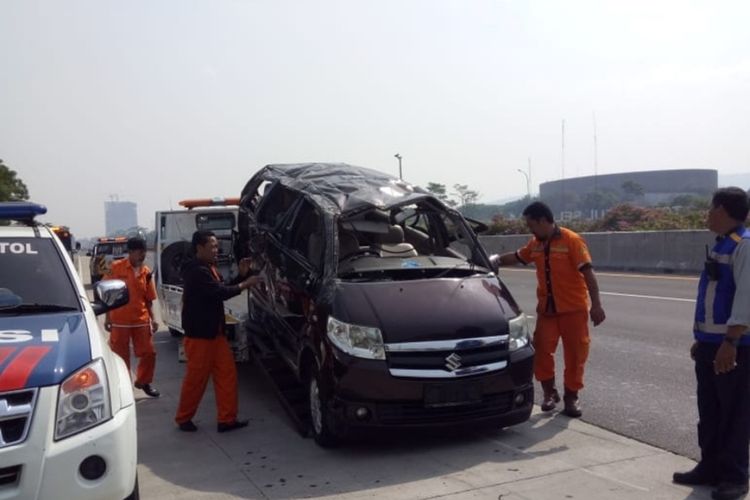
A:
208,358
573,327
143,348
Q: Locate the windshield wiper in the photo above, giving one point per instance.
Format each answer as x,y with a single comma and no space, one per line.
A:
37,308
443,273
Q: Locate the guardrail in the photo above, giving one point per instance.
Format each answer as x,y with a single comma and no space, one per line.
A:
643,251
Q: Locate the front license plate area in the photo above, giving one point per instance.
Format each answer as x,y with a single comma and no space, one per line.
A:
437,395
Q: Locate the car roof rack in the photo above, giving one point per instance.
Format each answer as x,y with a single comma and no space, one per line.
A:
21,211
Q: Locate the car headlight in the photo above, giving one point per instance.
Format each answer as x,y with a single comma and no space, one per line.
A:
359,341
518,328
83,400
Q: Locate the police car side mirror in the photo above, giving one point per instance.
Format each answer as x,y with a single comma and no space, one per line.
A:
108,295
495,262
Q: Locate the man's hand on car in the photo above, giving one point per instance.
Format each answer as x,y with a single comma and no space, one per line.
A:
245,266
251,282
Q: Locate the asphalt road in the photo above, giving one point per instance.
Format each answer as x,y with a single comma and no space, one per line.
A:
639,378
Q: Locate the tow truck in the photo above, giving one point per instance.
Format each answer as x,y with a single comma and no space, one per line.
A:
106,251
174,232
67,411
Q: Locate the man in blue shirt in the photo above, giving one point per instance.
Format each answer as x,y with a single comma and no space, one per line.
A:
722,352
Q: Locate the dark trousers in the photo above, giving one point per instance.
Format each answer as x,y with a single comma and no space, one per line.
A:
724,414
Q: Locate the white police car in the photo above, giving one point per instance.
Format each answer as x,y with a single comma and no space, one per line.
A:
67,412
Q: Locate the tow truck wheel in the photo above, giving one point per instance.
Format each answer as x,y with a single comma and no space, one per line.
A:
321,420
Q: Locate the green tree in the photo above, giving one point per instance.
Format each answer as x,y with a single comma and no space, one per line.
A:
632,190
465,195
441,193
12,187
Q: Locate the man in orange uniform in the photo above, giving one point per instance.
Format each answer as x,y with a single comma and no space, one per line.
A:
135,321
206,346
564,276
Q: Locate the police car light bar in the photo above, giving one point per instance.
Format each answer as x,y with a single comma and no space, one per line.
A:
21,210
209,202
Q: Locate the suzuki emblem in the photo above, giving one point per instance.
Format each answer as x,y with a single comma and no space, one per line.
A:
453,362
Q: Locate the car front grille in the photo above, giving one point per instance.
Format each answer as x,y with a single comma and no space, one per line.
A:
16,410
448,359
418,413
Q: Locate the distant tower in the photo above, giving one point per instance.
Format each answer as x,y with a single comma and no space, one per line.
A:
119,215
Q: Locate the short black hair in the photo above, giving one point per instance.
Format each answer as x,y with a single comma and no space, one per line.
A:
734,200
201,238
539,211
136,243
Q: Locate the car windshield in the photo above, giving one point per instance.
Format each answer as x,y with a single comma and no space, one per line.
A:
413,242
33,277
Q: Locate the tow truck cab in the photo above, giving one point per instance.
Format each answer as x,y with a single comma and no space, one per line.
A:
174,231
106,251
67,412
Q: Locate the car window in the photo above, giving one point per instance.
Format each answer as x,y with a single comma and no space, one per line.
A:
458,237
307,236
275,206
32,270
116,249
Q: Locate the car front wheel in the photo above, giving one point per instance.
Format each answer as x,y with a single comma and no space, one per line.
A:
321,419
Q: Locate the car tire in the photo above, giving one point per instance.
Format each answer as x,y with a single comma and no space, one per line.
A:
135,495
175,333
322,422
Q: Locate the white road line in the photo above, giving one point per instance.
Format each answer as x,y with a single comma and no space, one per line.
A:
618,275
653,297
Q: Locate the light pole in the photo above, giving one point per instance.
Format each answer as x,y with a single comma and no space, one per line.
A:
400,176
528,183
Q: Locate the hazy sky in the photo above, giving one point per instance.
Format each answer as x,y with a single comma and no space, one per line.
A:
157,101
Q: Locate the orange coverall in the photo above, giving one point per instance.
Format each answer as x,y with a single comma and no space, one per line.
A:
132,322
563,304
209,357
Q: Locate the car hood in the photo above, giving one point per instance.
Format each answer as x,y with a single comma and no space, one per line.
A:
42,349
433,309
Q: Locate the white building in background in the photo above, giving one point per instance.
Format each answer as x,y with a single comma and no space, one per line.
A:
119,216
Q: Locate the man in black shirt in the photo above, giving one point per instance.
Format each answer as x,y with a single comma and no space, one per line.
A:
206,346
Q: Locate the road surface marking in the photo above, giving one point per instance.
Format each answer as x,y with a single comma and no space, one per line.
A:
619,275
655,297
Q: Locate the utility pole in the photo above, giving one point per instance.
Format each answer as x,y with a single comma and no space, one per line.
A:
528,179
562,164
400,174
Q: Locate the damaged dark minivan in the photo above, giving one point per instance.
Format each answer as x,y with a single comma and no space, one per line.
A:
382,301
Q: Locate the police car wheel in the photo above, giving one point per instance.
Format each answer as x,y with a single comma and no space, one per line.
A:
135,495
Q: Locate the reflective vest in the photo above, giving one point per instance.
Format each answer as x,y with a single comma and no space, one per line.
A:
715,296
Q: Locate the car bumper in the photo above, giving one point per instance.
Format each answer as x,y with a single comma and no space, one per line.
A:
49,469
367,395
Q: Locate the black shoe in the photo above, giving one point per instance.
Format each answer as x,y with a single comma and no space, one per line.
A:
188,426
729,491
695,477
150,391
230,426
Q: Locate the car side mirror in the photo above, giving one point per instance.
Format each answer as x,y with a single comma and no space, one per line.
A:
108,295
495,262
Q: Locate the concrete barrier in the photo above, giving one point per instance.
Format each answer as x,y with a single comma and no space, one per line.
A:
644,251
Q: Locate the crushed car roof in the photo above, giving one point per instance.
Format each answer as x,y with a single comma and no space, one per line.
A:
343,187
